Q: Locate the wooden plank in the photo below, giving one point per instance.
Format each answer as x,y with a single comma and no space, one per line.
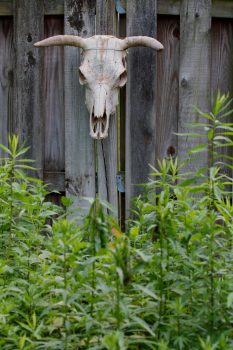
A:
222,8
121,137
79,147
167,87
169,7
55,180
28,121
222,65
221,59
54,137
54,7
141,94
194,79
6,8
6,79
107,148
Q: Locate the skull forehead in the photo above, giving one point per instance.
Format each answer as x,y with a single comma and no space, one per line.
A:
104,42
102,64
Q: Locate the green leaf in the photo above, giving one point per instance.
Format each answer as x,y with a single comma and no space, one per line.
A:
199,148
146,291
230,300
5,149
22,341
143,324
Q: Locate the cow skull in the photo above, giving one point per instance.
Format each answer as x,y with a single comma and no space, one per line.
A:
103,72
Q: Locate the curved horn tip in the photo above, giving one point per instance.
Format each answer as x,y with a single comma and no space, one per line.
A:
37,44
62,40
146,41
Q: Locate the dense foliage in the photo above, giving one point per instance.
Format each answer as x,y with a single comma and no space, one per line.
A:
165,284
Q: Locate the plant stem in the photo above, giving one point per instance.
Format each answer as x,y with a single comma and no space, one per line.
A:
161,282
118,302
10,237
212,291
93,244
65,302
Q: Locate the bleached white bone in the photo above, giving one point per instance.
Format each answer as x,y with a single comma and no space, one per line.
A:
103,71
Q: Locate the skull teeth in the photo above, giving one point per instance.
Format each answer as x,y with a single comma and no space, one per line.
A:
99,126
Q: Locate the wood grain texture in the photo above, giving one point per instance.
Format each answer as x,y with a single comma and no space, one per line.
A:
55,180
28,120
51,7
6,79
122,111
167,87
121,128
6,8
53,79
222,64
220,9
79,147
169,7
107,148
54,7
222,54
194,79
141,95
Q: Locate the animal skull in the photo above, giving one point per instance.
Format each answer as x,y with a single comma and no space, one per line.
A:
103,72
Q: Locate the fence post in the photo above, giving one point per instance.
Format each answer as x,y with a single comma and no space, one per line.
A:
167,88
6,86
79,147
194,79
28,99
107,149
222,64
53,85
141,94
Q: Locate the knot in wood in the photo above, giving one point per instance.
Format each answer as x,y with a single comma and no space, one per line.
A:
184,82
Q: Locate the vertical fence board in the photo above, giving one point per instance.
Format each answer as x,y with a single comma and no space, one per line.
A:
122,119
53,99
107,149
194,80
167,87
6,78
222,53
222,64
141,92
79,149
28,121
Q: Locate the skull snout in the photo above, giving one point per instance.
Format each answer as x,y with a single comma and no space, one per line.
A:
99,118
99,126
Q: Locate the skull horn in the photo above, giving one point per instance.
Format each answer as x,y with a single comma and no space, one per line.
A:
61,40
133,41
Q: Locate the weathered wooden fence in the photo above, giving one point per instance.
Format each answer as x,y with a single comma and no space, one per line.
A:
42,100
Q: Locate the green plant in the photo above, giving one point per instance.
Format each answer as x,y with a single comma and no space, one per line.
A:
164,284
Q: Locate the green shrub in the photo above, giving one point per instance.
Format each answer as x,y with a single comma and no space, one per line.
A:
166,283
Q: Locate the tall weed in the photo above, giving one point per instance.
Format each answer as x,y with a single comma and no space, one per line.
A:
166,283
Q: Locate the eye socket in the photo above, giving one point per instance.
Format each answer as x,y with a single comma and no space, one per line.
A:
124,61
82,78
123,78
